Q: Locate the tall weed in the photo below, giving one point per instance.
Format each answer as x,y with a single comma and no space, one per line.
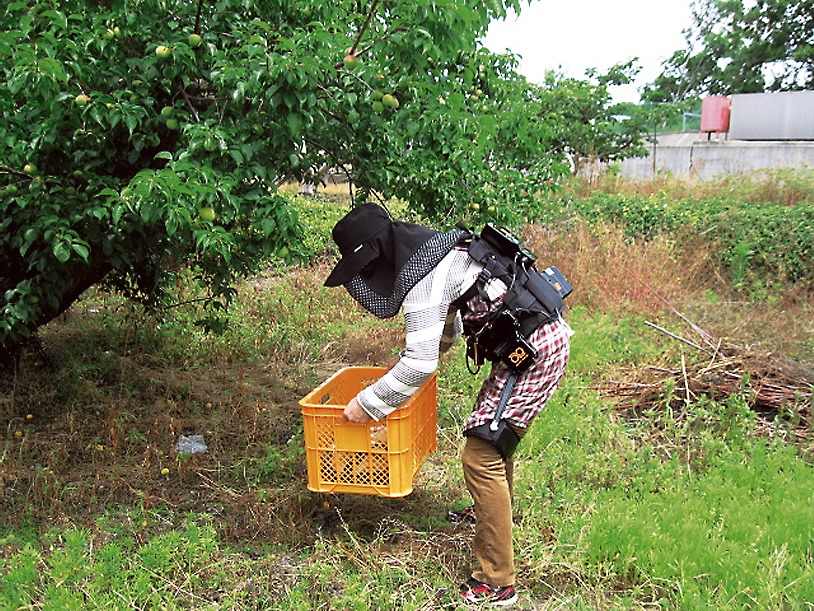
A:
611,271
766,244
787,186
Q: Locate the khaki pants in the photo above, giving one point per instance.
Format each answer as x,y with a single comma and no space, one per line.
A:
489,481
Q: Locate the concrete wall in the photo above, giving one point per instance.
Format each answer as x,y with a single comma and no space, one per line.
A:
693,156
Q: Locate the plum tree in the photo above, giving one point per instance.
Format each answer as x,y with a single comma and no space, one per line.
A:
113,187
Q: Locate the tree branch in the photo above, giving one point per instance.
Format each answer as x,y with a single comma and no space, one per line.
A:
198,16
7,170
361,33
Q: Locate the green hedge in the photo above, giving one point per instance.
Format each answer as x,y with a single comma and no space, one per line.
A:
766,244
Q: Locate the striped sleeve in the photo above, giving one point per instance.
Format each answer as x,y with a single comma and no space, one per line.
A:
431,325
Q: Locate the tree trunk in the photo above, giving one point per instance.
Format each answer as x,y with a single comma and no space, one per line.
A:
67,290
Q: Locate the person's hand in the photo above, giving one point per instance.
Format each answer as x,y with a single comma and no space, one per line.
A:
354,413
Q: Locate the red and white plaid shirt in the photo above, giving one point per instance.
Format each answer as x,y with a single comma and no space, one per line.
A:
533,387
432,325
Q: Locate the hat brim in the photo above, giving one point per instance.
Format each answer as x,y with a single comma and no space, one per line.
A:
352,263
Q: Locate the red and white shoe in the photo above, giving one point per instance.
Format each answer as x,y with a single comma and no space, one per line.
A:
477,592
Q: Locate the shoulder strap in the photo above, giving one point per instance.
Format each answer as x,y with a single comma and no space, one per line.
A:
539,296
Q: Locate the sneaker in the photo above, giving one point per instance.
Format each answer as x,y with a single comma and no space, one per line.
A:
474,591
467,514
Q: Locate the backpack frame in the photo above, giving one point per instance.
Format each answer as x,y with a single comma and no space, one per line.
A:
532,298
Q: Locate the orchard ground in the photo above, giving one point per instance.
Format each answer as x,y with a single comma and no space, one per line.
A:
93,415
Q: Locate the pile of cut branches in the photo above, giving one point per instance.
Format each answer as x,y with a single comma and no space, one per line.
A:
779,390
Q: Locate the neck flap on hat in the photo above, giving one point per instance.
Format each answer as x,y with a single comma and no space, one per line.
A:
408,252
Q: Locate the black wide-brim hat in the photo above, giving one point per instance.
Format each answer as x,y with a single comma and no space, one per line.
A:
355,235
383,259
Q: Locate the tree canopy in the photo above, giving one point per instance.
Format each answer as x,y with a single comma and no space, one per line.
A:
143,135
589,126
735,46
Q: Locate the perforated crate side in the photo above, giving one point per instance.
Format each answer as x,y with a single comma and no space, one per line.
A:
363,459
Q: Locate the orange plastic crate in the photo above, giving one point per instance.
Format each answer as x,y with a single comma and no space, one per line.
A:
378,458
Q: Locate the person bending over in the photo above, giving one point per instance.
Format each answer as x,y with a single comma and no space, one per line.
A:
388,266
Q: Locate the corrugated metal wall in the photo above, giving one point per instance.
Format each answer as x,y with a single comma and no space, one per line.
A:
787,115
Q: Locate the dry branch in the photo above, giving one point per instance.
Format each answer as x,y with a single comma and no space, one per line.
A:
776,388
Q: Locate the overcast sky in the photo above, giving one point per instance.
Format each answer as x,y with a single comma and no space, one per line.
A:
575,35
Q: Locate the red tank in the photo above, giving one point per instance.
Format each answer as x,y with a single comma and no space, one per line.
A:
715,114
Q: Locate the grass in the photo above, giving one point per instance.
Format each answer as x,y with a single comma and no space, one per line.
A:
694,509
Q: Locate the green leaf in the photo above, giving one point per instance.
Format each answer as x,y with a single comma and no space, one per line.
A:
57,18
62,251
51,67
82,250
268,225
236,155
294,121
131,121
